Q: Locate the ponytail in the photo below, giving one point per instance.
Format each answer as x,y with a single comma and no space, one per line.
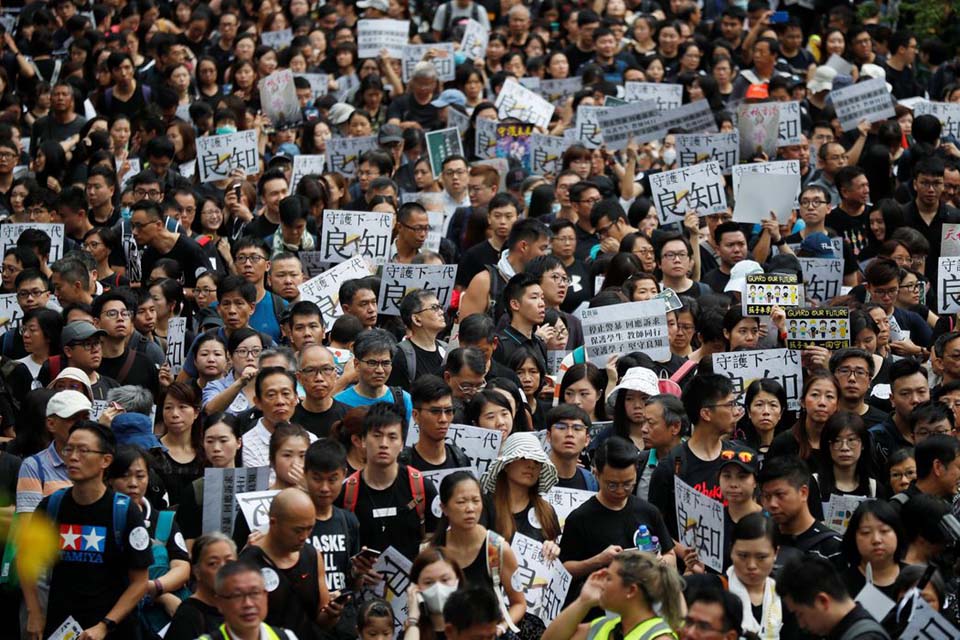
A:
671,587
658,582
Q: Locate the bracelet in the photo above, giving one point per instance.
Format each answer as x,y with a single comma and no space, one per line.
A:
158,586
780,242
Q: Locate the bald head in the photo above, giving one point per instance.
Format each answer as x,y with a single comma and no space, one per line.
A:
292,504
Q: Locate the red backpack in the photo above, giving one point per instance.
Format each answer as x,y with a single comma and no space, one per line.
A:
351,494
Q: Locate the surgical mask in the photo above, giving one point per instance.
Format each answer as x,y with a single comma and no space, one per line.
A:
459,58
669,156
227,128
527,197
125,213
555,209
436,595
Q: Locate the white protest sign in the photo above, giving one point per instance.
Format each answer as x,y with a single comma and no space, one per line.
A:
305,165
324,288
217,156
442,60
950,239
437,476
475,39
485,138
759,194
586,129
700,523
626,327
10,312
69,630
397,280
697,188
10,233
546,154
459,120
694,148
822,277
376,35
564,501
516,101
948,285
838,64
638,121
782,365
788,132
437,221
312,264
277,40
927,624
948,113
481,445
758,125
319,83
876,602
695,117
868,100
544,585
791,167
255,506
278,97
221,486
838,510
176,343
345,86
666,95
557,91
395,569
346,234
343,154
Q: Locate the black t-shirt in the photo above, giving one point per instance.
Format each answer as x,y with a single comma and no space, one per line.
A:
578,481
189,512
412,457
337,540
293,593
855,230
474,260
141,373
819,539
260,227
586,241
177,477
427,362
388,518
187,254
581,286
319,424
407,109
92,571
193,619
577,57
716,280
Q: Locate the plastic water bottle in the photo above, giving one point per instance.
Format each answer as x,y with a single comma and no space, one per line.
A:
642,539
656,545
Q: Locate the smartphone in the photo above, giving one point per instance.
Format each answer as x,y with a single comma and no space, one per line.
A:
236,191
371,554
779,17
344,597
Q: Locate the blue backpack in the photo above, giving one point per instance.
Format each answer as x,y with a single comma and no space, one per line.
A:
153,617
121,504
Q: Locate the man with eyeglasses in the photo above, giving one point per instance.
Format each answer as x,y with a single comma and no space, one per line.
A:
926,213
113,313
482,185
568,433
83,347
674,256
931,418
251,257
241,596
420,353
103,562
583,197
413,225
318,411
454,178
33,292
712,613
149,229
433,413
464,372
374,351
853,370
883,284
609,222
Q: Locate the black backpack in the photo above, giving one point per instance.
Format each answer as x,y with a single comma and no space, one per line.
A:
448,18
9,402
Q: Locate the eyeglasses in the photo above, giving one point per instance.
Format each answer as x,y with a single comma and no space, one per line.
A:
91,245
243,352
578,427
439,411
885,293
846,372
626,486
602,231
420,228
252,259
590,201
925,433
7,155
83,452
647,251
916,286
88,345
436,308
733,405
455,173
812,203
25,294
147,193
849,443
37,211
311,372
742,456
675,255
113,314
378,364
560,279
469,387
930,184
12,268
207,291
28,328
137,226
901,475
686,328
240,595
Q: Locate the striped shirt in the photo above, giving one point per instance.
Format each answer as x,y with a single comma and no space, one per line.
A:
40,475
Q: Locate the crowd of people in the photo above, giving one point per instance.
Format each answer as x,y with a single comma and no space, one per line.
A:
159,343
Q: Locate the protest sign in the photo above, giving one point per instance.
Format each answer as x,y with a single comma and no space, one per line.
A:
743,367
255,506
564,501
459,120
626,327
485,138
532,83
395,569
546,154
698,188
440,145
557,91
694,117
324,288
670,298
544,585
319,84
764,291
345,234
586,129
554,358
305,165
475,38
312,263
437,476
398,280
838,64
927,624
827,327
516,101
437,221
791,167
758,124
700,523
513,142
667,96
11,314
948,113
278,97
10,233
176,343
217,156
759,194
70,629
722,148
442,59
343,154
788,131
868,100
876,602
481,445
822,277
640,122
838,509
345,85
220,488
277,40
950,239
948,285
375,35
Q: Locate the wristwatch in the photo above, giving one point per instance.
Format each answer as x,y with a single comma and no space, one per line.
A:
780,242
109,624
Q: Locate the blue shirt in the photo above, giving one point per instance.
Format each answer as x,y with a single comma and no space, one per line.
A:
351,398
264,319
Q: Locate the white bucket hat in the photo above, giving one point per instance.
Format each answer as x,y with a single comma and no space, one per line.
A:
521,446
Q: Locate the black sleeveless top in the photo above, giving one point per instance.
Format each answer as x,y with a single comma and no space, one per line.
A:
294,593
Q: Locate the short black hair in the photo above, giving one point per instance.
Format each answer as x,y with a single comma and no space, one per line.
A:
726,227
469,357
471,606
380,415
326,455
105,438
790,468
527,229
703,390
803,579
567,412
929,412
428,388
904,368
517,287
234,283
266,372
477,328
616,452
940,447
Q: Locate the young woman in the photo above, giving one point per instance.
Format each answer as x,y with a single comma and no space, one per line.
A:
234,392
181,463
243,75
470,81
749,578
766,404
221,450
818,402
584,385
210,228
129,474
120,133
532,372
865,333
912,283
168,297
491,409
178,78
40,330
738,482
210,360
874,545
433,577
847,470
100,242
199,614
740,331
629,401
208,89
184,139
901,470
466,541
347,432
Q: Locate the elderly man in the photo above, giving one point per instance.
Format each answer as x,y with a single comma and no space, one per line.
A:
242,599
415,108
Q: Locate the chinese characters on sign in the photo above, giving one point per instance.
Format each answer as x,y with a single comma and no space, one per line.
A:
948,285
758,125
639,121
694,117
827,327
626,327
667,96
400,279
868,100
743,367
278,97
722,148
355,233
788,132
948,113
699,188
544,585
255,506
343,154
220,488
324,288
176,343
516,101
587,129
485,138
442,144
442,61
10,312
763,291
546,153
700,523
822,277
217,156
481,445
374,35
10,233
474,43
305,165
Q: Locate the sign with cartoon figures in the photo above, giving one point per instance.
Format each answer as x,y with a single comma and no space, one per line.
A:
764,291
827,327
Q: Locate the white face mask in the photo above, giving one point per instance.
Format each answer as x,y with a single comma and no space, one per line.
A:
436,595
669,156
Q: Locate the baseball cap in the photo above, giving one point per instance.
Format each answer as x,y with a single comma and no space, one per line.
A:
739,273
390,134
340,113
78,331
816,245
68,403
450,96
746,459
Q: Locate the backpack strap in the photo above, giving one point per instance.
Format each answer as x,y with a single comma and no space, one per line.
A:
419,495
55,364
588,479
400,406
351,491
277,307
127,365
900,498
685,368
164,526
862,627
53,504
410,358
121,504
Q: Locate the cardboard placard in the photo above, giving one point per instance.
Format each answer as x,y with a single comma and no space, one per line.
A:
827,327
